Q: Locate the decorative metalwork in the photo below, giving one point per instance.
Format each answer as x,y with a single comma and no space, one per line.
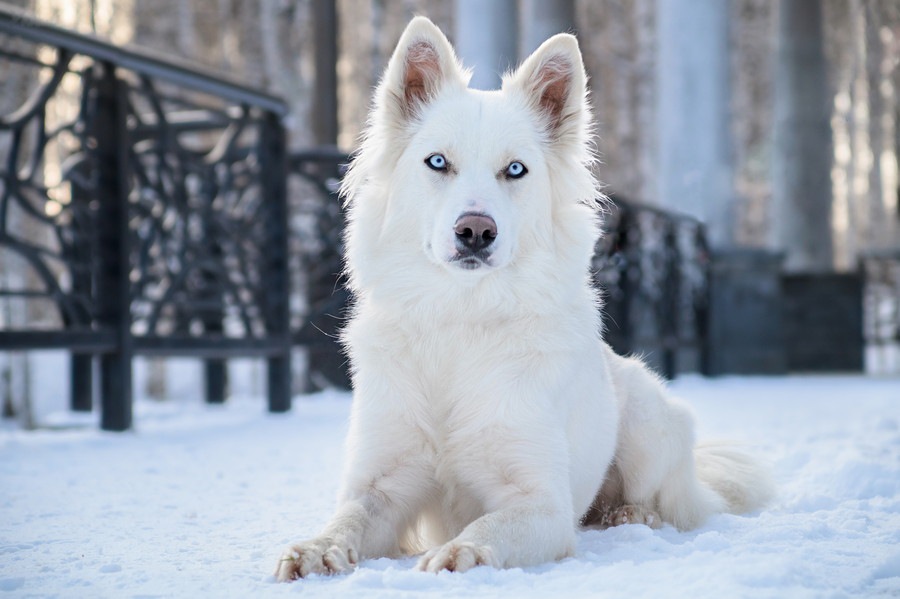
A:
165,228
46,219
652,266
198,208
153,217
881,310
317,224
320,299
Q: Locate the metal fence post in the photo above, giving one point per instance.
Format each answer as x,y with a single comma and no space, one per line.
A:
215,369
81,373
671,304
701,304
109,138
81,381
273,159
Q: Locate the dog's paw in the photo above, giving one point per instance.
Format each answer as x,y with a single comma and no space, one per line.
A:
321,556
634,514
457,557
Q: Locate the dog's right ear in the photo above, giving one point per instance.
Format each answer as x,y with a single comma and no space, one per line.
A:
422,64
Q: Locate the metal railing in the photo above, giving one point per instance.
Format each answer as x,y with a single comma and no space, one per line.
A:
881,310
150,219
148,208
653,267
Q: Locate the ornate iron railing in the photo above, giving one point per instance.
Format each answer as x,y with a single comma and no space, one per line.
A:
162,215
881,310
317,246
653,267
152,219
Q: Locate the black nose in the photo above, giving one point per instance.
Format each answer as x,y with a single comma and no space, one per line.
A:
474,232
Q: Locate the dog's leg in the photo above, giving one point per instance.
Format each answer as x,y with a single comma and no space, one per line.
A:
385,484
523,481
367,524
517,536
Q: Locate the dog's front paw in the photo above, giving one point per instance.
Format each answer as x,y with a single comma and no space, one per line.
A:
457,557
321,556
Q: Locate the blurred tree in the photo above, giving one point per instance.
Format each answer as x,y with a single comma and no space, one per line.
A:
752,45
802,151
862,56
325,98
618,39
369,31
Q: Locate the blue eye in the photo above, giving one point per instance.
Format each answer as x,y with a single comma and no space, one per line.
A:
516,170
436,162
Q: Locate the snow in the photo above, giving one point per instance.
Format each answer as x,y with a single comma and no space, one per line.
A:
199,501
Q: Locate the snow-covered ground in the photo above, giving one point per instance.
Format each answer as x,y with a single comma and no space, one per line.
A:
198,501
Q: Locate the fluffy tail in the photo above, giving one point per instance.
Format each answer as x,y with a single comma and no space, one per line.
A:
662,469
742,481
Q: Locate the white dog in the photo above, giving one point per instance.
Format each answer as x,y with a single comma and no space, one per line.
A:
489,418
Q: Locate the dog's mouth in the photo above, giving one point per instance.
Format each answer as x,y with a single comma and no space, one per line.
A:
471,261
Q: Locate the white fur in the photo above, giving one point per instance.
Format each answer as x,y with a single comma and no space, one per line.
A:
486,408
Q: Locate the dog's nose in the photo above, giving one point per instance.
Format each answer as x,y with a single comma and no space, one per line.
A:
474,232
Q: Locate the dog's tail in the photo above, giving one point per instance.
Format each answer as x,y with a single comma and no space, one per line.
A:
662,467
742,481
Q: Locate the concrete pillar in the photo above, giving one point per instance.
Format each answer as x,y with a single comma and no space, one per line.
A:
485,39
695,163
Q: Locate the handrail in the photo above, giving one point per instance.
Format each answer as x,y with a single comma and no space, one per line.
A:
140,155
15,22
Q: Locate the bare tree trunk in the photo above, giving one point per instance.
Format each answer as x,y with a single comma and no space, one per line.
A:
857,223
880,125
842,58
751,118
325,98
619,45
288,52
186,32
894,202
802,149
644,98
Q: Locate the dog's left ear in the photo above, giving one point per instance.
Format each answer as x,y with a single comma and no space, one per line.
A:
554,82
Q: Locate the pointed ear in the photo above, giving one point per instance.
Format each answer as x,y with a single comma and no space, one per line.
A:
555,85
422,64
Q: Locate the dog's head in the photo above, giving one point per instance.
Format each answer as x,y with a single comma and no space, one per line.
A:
471,181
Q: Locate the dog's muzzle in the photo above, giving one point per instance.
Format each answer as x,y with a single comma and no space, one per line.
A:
475,232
